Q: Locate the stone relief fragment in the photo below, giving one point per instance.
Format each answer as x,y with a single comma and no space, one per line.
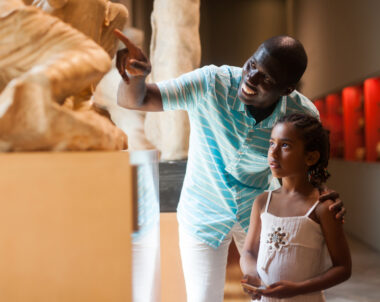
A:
48,71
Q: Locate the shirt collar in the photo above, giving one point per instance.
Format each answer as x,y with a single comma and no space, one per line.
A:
279,111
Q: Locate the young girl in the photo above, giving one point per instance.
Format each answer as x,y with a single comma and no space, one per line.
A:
289,229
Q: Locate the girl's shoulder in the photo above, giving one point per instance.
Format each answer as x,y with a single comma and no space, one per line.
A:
262,197
261,200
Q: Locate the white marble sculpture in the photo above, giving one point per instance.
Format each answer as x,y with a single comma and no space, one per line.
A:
48,71
175,49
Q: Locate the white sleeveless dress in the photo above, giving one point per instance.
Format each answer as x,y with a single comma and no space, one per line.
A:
292,249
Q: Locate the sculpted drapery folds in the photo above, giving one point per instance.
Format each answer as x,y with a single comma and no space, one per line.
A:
48,71
175,49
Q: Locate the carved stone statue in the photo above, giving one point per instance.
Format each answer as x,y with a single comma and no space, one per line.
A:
175,49
48,71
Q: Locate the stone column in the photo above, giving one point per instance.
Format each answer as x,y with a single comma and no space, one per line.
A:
175,49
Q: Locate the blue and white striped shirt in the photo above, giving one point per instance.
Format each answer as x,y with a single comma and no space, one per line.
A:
227,163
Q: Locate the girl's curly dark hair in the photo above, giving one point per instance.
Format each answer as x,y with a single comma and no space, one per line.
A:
315,138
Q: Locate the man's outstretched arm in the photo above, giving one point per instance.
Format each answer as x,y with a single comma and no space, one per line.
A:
134,67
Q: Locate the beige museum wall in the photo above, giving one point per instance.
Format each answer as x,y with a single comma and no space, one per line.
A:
343,43
342,39
232,30
358,184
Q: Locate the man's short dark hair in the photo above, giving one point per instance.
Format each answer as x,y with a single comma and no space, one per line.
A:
291,54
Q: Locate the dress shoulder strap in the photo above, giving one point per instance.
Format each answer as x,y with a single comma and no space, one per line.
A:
312,208
268,200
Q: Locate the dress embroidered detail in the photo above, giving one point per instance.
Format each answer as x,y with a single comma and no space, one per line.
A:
277,238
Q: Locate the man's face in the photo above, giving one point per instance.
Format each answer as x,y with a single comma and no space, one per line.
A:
263,80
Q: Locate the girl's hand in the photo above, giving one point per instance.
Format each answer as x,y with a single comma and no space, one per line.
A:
281,289
255,281
131,58
336,206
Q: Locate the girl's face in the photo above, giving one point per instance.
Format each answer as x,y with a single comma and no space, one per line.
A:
286,154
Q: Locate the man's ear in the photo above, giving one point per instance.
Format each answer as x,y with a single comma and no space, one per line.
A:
288,90
312,158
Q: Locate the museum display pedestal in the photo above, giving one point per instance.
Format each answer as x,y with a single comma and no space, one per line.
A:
65,226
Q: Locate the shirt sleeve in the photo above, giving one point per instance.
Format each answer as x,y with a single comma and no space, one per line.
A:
274,184
309,107
185,91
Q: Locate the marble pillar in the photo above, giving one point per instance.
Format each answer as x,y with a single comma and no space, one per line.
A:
175,49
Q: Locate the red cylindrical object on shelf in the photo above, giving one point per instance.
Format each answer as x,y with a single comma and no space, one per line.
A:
321,106
372,118
353,123
334,122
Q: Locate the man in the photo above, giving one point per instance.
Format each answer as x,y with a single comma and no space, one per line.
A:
231,112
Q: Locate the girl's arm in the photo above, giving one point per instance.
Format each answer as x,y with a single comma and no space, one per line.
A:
340,255
248,257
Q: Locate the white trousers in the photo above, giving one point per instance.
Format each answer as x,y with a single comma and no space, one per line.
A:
146,268
204,267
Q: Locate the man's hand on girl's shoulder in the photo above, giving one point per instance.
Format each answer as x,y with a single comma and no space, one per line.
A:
337,203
